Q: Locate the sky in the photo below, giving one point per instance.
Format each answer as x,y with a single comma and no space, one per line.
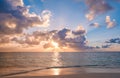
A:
59,25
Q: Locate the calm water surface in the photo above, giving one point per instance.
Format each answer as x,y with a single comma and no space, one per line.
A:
99,59
21,61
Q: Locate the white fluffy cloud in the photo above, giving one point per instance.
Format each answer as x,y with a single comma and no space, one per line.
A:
15,17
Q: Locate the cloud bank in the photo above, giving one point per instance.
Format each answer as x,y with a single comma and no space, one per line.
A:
15,17
74,39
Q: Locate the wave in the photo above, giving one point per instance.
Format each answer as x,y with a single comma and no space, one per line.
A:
39,69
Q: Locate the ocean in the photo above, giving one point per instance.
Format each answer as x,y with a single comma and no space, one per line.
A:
21,62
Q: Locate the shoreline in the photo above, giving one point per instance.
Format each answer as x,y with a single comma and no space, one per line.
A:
70,73
86,75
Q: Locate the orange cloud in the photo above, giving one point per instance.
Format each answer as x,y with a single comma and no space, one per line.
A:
110,23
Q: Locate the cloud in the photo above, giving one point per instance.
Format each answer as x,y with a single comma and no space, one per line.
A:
29,40
77,39
79,30
4,39
110,45
106,46
16,3
35,38
72,38
90,16
95,25
62,33
114,40
96,7
15,17
110,23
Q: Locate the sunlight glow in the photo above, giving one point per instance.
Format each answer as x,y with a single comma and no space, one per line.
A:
55,44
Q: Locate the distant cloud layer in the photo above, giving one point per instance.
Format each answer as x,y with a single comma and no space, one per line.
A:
106,46
65,38
114,40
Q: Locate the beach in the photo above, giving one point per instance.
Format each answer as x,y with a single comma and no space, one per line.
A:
70,73
100,75
60,65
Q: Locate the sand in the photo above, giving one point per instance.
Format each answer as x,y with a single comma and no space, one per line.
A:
87,75
71,73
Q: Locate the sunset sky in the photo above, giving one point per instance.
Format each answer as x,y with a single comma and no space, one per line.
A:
59,25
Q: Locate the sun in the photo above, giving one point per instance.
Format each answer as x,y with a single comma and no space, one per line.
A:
55,44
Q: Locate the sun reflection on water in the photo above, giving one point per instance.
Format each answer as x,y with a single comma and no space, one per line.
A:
56,59
56,62
56,71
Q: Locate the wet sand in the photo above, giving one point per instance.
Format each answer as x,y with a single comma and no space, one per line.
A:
71,73
87,75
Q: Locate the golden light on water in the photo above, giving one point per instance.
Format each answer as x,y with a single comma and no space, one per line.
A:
56,71
56,62
55,58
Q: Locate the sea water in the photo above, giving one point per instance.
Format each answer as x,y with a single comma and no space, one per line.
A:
21,62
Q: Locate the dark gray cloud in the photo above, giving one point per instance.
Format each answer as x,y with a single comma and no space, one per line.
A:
75,39
114,40
106,46
109,43
95,25
97,47
62,33
78,32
